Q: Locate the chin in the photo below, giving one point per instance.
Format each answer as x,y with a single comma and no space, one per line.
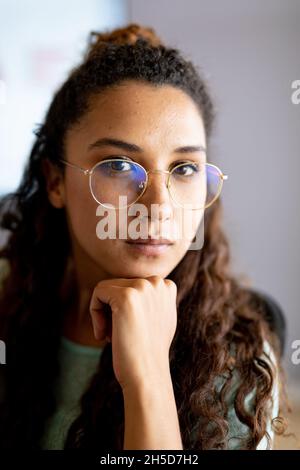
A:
142,273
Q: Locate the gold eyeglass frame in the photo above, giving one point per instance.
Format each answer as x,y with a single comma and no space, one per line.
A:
90,171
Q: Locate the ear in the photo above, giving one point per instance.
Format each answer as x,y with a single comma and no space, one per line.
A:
54,183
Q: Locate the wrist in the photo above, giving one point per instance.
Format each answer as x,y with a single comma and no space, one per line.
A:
151,418
148,388
148,379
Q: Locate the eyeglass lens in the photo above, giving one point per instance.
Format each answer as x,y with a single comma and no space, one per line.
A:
194,184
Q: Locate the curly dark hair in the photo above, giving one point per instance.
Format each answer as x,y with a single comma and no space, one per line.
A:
214,310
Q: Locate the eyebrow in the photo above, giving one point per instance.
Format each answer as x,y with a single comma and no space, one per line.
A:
128,147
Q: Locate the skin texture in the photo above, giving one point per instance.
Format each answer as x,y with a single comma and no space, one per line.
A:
157,119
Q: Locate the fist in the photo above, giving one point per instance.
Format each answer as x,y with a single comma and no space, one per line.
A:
139,317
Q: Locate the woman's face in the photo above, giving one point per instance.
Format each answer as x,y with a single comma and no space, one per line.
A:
158,121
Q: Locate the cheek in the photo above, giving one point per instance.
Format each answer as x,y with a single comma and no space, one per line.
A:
83,220
81,208
186,224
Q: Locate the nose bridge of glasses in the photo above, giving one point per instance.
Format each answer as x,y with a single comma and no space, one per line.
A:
164,173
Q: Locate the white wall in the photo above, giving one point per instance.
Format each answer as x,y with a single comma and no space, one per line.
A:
39,43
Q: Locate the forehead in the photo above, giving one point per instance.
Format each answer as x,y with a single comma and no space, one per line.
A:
144,114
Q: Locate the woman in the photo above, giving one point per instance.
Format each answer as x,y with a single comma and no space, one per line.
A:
113,343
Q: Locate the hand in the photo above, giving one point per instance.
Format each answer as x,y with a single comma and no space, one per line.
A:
141,328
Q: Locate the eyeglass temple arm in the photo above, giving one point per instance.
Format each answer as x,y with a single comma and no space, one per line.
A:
74,166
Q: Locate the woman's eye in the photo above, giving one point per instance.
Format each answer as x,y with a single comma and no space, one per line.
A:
186,170
120,166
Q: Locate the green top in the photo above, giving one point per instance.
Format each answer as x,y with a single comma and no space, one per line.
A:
78,363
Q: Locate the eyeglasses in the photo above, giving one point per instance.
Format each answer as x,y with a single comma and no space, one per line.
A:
190,184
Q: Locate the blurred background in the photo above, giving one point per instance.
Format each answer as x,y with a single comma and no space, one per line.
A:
249,53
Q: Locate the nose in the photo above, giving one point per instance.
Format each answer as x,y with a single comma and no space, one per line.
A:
157,193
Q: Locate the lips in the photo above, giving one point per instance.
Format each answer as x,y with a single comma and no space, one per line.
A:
149,247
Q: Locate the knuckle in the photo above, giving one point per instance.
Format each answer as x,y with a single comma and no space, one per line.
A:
171,284
99,285
155,280
129,293
140,284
